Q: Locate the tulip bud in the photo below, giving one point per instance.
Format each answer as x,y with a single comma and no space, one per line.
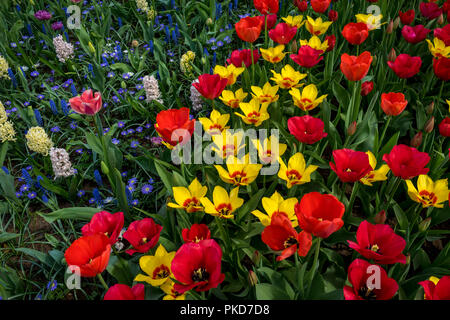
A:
374,59
416,141
392,55
390,27
425,224
209,22
256,257
332,15
301,5
429,126
380,218
408,259
91,47
440,20
351,128
430,108
123,84
203,60
134,43
105,168
294,47
396,22
252,278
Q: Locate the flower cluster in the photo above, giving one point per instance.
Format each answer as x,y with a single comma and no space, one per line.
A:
62,167
38,141
64,50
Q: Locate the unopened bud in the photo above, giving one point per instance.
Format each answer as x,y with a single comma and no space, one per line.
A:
374,59
123,84
380,218
425,224
105,168
396,22
252,278
430,108
390,27
440,20
209,21
134,43
294,46
392,55
429,126
351,128
256,257
416,141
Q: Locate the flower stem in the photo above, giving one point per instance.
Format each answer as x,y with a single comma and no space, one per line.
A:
314,266
102,281
352,198
380,141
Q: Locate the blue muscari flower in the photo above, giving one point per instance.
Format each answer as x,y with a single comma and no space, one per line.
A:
74,90
172,4
169,17
30,32
218,10
64,107
119,21
230,8
157,20
235,4
66,35
45,200
38,183
174,37
205,52
27,177
53,107
105,62
177,30
166,29
5,170
43,29
13,77
91,70
128,195
119,52
17,8
214,58
97,197
151,45
38,117
98,178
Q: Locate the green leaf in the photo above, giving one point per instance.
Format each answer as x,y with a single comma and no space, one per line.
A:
41,256
6,236
120,270
265,291
76,213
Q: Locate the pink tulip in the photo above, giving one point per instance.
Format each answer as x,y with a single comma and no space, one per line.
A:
88,103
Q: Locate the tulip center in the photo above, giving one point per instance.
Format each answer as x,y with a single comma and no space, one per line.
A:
224,209
375,248
427,198
161,272
239,177
290,242
287,82
228,150
234,103
367,294
190,204
144,240
293,176
200,275
253,117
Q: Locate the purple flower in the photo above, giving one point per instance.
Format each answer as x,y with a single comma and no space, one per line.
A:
157,141
43,15
147,188
58,25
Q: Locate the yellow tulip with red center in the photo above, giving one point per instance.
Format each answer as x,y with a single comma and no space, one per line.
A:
375,175
315,43
275,204
239,172
270,149
228,143
428,192
216,123
307,99
318,26
156,267
189,198
288,78
230,72
372,21
438,48
224,204
254,112
171,293
232,99
273,55
294,21
265,94
296,172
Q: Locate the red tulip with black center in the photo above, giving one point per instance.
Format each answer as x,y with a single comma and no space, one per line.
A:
379,243
441,68
407,17
143,235
196,233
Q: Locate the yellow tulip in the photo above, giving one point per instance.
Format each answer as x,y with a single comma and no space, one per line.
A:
375,175
438,48
318,26
239,172
428,192
216,123
265,94
307,99
274,204
273,55
228,143
229,72
265,151
296,172
233,99
254,112
289,78
189,198
372,21
224,204
156,267
315,43
294,21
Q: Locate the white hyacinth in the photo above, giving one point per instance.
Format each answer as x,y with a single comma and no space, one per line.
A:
151,88
64,50
195,98
62,167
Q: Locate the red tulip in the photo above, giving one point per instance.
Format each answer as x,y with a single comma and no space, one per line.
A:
271,21
124,292
379,243
444,127
90,254
306,129
197,265
210,86
369,282
355,33
407,162
405,66
443,34
109,224
307,57
407,17
143,235
174,126
332,15
301,5
266,6
441,68
320,6
366,88
393,103
439,291
355,68
282,33
350,165
415,34
430,10
320,214
88,103
280,235
239,57
196,233
248,29
331,42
